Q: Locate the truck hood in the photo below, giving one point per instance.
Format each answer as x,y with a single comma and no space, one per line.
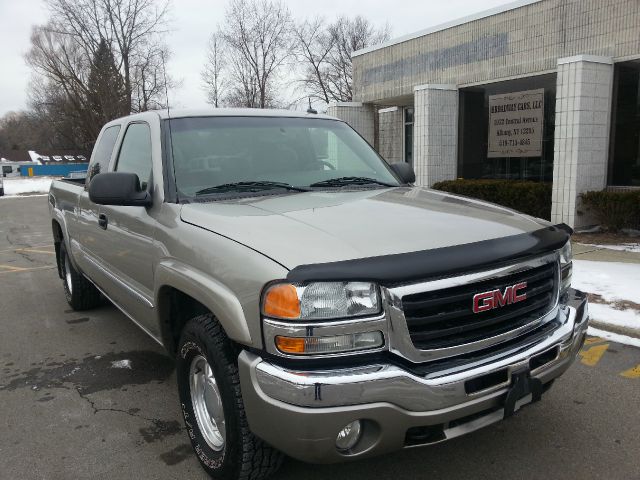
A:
321,226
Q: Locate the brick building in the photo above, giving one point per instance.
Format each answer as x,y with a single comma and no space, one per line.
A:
542,90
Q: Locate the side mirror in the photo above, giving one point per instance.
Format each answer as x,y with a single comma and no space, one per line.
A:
118,188
404,171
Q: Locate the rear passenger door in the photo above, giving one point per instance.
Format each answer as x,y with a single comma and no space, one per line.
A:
84,227
126,247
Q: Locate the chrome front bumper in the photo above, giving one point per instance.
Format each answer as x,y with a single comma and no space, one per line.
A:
301,412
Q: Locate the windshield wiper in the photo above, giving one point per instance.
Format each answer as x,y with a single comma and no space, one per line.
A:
344,181
252,186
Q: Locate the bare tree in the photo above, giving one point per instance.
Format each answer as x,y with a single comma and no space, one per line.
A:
151,80
125,33
255,44
326,50
24,131
60,89
314,43
213,74
135,27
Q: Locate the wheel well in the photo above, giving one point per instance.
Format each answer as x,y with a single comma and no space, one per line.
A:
176,308
57,241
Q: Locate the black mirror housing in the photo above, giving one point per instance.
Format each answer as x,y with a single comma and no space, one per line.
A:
118,188
404,171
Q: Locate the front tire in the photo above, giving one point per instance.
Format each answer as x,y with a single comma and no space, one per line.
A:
212,406
80,293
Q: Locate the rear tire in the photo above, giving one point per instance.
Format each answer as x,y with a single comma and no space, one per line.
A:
80,293
212,406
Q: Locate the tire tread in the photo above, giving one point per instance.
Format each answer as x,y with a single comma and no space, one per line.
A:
84,295
259,460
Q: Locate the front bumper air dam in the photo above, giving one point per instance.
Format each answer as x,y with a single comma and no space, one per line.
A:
301,412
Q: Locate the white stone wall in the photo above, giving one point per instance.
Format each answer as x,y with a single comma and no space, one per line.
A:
391,134
358,115
520,41
582,126
435,133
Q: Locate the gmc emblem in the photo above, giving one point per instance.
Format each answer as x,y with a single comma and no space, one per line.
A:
496,298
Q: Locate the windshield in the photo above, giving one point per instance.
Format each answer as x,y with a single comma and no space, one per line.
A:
262,153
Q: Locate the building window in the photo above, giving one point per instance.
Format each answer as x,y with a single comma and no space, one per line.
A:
624,158
408,135
473,158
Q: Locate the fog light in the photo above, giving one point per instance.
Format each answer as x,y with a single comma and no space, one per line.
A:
349,435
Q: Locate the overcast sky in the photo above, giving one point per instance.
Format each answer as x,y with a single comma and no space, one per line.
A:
194,20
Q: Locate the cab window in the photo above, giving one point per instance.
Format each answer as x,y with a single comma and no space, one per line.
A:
102,152
135,153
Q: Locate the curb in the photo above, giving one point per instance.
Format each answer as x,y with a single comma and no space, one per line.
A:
607,327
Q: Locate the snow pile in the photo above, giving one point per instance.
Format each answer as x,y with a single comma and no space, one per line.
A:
21,186
625,247
615,290
121,364
614,337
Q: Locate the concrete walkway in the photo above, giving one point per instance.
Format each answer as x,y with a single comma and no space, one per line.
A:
603,254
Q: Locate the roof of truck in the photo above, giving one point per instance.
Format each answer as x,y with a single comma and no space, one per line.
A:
238,112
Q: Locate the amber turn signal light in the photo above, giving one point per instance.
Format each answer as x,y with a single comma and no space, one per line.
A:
281,301
291,345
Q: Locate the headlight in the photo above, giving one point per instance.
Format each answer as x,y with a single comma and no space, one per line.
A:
566,266
566,255
320,300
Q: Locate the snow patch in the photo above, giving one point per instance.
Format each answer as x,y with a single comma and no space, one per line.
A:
121,364
18,186
623,247
611,280
614,337
75,369
10,197
614,283
612,316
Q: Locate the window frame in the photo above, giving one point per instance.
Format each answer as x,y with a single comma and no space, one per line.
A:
110,158
172,193
405,123
116,158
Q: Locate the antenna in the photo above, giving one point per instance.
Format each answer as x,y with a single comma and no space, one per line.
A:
166,86
311,109
166,94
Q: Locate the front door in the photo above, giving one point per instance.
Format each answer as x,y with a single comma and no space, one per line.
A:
127,243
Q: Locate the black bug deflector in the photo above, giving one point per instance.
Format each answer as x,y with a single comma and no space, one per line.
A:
426,264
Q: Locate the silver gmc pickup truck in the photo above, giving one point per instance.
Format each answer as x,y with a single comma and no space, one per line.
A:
317,304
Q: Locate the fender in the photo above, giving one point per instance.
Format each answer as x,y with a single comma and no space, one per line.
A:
218,298
58,216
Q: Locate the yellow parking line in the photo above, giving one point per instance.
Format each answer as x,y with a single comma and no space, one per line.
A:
592,340
12,268
632,372
35,251
21,270
11,250
591,356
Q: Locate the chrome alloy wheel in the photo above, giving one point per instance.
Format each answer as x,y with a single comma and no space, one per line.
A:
207,403
67,273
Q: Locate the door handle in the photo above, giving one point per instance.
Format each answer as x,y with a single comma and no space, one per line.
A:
103,221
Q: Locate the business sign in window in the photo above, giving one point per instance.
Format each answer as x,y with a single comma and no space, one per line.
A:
515,124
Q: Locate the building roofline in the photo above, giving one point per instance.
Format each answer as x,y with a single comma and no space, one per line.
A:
443,26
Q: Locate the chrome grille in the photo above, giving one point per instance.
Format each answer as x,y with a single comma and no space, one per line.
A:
444,318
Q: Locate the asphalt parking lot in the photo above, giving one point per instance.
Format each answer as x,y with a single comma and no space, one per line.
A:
88,395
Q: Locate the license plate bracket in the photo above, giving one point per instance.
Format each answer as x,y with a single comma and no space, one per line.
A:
522,385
